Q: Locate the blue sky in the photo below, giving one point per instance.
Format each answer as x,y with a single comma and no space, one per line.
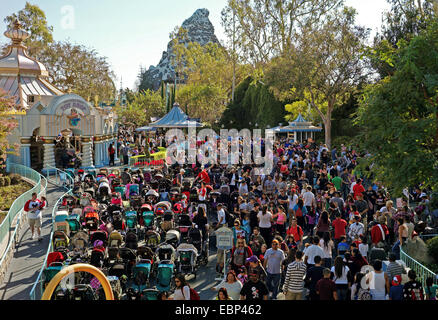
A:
134,33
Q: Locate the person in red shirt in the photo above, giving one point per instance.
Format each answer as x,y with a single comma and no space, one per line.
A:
296,231
358,189
326,288
339,225
379,232
203,176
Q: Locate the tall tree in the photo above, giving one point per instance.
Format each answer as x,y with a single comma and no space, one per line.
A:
267,28
399,116
324,67
144,105
405,20
34,21
79,69
7,122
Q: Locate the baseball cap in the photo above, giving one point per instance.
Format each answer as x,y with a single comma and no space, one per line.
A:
252,259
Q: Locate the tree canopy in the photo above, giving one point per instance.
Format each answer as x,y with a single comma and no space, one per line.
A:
399,116
141,107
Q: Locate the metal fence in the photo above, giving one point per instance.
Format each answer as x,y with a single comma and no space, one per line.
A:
422,272
61,179
7,228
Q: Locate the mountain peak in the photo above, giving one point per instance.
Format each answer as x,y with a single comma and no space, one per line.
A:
199,29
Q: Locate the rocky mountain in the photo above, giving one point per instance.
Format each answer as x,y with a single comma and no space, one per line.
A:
199,29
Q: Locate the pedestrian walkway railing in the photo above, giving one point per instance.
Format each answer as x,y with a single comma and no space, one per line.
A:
15,213
62,179
422,272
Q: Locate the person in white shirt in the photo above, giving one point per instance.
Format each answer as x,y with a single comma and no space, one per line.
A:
312,251
308,197
221,215
356,229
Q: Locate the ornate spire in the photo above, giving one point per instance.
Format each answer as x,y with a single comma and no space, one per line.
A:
16,33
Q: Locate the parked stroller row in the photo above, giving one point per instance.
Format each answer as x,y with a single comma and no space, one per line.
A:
140,235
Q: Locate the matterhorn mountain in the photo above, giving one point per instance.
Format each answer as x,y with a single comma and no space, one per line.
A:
199,29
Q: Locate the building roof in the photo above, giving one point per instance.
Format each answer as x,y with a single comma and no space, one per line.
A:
299,125
176,118
20,75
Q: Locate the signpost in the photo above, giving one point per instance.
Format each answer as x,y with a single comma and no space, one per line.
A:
224,241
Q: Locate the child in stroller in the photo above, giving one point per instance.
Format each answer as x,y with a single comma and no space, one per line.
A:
187,256
197,240
184,224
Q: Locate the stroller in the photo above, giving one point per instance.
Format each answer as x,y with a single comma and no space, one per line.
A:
184,224
51,271
60,222
115,239
92,221
135,202
167,223
165,252
147,216
99,235
173,237
196,239
85,200
187,256
80,242
141,275
152,239
60,240
74,223
104,189
131,221
164,275
131,240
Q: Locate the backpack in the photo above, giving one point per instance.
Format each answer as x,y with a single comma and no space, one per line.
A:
299,212
194,295
363,294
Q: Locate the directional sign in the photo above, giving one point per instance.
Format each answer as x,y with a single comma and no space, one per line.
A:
224,238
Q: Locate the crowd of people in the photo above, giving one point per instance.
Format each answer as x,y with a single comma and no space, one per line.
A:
315,228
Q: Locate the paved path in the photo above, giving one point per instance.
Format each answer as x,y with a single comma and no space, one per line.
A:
29,256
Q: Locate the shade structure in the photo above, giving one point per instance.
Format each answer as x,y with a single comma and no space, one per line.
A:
299,125
176,118
145,129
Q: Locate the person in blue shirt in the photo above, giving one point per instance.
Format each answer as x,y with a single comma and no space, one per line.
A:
343,246
396,290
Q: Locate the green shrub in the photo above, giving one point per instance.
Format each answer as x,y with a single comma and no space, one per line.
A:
7,181
432,248
2,181
15,179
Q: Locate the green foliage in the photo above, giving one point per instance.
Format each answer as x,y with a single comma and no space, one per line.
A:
7,122
324,67
432,248
8,194
145,104
34,21
7,181
253,104
399,116
15,179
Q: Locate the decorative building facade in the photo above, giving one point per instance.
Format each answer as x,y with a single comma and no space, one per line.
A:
45,113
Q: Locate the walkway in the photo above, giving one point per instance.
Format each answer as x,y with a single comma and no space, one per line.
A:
29,256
